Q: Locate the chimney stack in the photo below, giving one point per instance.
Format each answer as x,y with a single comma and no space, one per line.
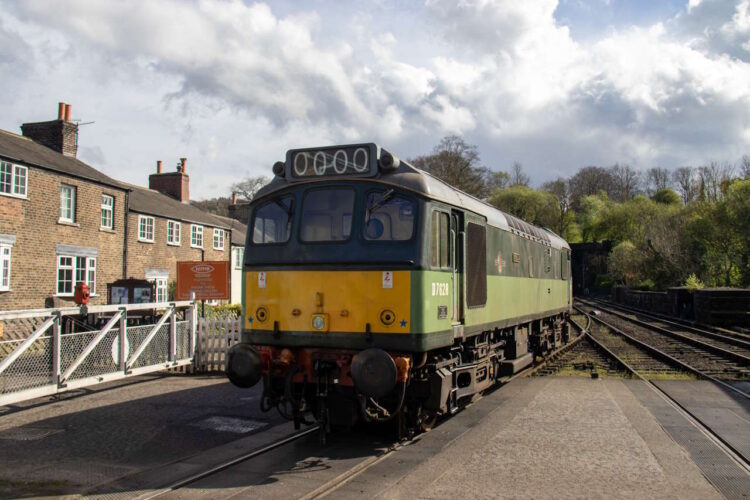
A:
173,184
60,135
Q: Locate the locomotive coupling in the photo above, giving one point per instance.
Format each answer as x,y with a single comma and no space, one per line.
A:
375,372
244,365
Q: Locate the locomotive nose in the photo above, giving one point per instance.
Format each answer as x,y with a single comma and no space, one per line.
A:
244,365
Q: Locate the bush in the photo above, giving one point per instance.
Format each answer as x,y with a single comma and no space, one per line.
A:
693,282
222,311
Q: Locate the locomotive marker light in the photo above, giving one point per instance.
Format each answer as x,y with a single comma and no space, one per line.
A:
278,168
374,372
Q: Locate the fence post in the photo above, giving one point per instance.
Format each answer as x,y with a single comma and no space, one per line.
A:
56,349
122,339
173,334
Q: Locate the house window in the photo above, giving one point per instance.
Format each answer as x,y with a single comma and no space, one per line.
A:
239,253
173,232
218,239
108,204
145,228
160,285
196,236
67,203
71,270
4,268
13,179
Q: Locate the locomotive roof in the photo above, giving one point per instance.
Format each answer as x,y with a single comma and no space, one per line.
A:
411,178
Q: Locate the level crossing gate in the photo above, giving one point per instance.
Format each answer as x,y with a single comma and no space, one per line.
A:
47,351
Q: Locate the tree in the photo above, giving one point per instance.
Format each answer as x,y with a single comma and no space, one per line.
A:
589,181
517,176
537,207
684,179
657,178
248,187
560,189
497,179
745,166
666,196
714,180
625,263
456,162
627,182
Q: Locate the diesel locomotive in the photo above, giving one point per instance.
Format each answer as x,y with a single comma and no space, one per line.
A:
374,291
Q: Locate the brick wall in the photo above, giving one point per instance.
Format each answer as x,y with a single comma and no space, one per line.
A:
159,254
34,222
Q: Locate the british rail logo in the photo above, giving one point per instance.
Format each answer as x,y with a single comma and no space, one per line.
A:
202,268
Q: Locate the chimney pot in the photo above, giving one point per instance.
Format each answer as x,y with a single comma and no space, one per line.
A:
67,112
158,166
234,198
183,161
60,110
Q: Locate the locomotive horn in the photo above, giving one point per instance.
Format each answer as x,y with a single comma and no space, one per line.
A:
244,365
388,161
374,372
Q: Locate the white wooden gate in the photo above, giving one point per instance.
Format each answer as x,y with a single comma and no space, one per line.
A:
215,337
46,351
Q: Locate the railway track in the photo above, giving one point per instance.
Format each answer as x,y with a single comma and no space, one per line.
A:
708,357
700,328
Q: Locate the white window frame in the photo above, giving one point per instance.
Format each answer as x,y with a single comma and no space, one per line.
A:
144,236
108,210
160,288
173,233
196,234
239,257
218,239
72,203
13,185
81,268
6,251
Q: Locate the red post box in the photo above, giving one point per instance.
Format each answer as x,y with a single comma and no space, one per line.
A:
83,291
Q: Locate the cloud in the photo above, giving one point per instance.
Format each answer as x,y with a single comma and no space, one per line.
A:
233,84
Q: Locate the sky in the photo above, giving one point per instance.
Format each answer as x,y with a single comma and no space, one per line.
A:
231,85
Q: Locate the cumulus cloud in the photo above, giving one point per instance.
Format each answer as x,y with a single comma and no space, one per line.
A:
236,84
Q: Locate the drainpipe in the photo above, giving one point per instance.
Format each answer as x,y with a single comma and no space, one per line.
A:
125,237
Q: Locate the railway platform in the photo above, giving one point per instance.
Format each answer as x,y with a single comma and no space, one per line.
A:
540,437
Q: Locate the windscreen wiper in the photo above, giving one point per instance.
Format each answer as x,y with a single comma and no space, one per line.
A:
286,209
379,203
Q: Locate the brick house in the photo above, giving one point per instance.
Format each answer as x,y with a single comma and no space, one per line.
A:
163,228
61,221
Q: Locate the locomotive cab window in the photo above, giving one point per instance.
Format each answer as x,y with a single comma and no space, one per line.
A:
273,221
440,241
388,217
327,215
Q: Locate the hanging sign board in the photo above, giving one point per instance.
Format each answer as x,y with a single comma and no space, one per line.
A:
209,280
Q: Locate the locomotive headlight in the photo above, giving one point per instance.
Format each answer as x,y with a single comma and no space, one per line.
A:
320,322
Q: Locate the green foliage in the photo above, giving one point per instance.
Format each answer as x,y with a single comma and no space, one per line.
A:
625,263
693,282
537,207
666,196
223,311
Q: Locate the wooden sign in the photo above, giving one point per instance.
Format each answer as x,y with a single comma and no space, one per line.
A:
209,280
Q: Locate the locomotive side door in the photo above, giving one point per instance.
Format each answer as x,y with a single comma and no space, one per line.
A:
457,265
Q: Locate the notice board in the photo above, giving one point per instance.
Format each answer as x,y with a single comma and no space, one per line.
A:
209,280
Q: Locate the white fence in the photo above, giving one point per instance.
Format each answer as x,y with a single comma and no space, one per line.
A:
46,351
215,337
